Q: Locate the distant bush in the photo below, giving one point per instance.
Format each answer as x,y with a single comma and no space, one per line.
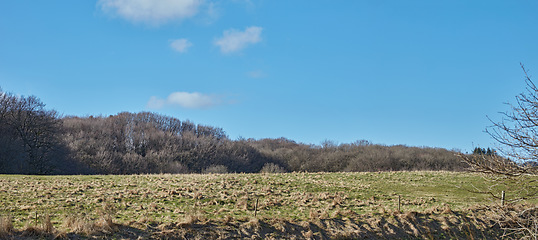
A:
272,168
216,169
174,168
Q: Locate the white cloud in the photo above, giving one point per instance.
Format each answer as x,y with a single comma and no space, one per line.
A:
192,100
152,11
234,40
180,45
256,74
212,12
156,103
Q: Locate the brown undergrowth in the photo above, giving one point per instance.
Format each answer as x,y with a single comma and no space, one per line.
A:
436,223
73,227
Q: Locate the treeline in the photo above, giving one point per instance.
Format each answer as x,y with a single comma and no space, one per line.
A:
150,143
357,157
34,140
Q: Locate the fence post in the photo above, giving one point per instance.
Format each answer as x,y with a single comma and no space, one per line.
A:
399,203
502,198
256,208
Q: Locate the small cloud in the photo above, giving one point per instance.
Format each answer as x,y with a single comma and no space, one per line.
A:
151,11
156,103
180,45
212,13
256,74
192,100
234,40
249,5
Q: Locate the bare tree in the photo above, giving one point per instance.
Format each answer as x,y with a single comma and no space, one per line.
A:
517,133
8,148
30,129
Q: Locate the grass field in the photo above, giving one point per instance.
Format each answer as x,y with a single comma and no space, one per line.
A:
175,201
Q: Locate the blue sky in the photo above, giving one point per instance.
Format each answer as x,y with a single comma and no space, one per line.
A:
419,73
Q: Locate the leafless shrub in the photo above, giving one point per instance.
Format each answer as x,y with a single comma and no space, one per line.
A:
272,168
174,167
215,169
518,221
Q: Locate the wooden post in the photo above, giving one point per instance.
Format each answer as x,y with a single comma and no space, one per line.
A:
256,208
398,203
502,198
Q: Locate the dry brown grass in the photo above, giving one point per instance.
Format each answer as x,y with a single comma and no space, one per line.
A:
192,218
188,221
44,229
47,225
391,225
79,225
253,223
299,205
106,224
446,209
6,225
518,221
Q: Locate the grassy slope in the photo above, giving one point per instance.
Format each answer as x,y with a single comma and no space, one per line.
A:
293,197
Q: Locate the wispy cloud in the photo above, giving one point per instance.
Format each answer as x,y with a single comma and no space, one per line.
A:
192,100
156,103
212,13
151,11
180,45
256,74
234,40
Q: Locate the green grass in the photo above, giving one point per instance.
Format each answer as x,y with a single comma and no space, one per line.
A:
295,196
